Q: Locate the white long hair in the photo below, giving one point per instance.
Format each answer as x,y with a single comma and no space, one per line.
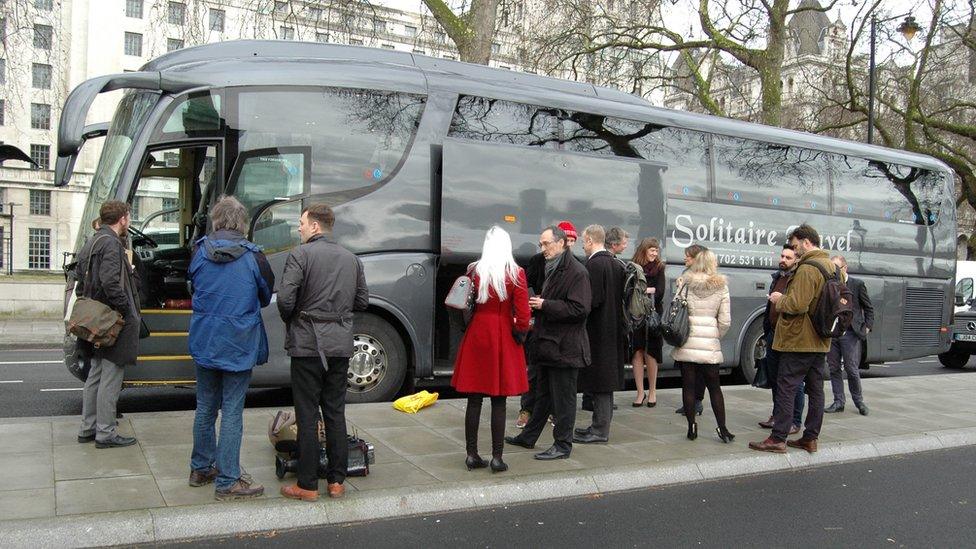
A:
496,264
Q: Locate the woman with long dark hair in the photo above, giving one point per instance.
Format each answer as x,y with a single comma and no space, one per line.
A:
647,347
490,362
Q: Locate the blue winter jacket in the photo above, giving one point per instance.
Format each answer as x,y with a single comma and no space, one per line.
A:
232,281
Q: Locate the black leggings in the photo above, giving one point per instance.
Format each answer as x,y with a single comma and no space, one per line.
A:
693,374
472,417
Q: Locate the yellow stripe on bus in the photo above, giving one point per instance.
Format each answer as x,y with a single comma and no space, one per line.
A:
164,357
169,334
167,311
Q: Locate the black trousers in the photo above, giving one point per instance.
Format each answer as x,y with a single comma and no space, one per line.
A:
556,395
316,388
794,368
527,402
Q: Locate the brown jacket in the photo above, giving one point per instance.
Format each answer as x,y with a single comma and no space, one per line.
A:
794,329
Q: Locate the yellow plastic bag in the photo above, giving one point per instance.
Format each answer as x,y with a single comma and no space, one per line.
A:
412,404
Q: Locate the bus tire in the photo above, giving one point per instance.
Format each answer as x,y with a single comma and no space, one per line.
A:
954,359
379,362
753,350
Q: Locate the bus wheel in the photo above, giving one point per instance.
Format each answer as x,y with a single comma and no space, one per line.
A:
753,350
379,361
954,359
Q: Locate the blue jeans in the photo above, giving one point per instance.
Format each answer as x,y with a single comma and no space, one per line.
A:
222,391
772,369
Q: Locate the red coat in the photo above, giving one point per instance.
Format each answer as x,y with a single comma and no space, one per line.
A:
489,360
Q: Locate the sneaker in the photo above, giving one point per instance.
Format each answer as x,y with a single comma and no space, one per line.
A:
862,409
117,441
203,477
241,489
522,420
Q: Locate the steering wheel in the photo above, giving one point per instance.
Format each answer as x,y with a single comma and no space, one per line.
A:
143,236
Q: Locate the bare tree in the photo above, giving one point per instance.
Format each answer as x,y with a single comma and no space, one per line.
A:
472,28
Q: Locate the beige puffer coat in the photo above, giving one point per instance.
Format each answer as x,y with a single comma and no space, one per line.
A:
709,316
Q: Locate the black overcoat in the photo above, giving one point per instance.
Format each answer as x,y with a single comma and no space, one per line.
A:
559,337
112,282
605,326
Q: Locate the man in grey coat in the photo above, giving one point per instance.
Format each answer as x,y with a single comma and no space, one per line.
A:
104,274
322,284
848,346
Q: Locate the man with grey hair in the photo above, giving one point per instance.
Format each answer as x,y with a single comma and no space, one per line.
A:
607,336
559,346
617,240
232,281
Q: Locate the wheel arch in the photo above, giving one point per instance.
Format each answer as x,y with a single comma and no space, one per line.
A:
741,337
399,321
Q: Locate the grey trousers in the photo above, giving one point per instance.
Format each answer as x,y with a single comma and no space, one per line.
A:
848,348
100,399
602,414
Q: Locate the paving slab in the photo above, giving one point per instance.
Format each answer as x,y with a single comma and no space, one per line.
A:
52,489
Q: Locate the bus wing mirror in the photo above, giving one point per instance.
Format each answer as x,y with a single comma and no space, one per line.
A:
64,166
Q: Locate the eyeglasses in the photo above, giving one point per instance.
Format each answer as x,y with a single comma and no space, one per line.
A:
544,243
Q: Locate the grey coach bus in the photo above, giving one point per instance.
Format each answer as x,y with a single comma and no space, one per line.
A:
419,156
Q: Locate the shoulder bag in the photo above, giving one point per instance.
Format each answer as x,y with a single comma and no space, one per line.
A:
674,326
461,298
92,320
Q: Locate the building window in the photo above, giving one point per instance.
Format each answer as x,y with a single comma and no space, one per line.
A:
379,25
39,248
440,37
322,37
41,76
133,9
410,31
176,13
40,116
133,44
216,20
41,155
421,52
449,56
173,44
3,109
46,5
3,71
355,42
281,8
42,36
287,33
495,48
169,204
40,202
314,13
389,47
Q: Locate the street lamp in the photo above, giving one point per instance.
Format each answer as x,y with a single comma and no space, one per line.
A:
908,28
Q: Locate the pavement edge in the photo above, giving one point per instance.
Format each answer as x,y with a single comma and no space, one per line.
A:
221,519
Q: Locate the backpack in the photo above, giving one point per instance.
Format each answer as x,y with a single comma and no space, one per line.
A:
834,311
637,304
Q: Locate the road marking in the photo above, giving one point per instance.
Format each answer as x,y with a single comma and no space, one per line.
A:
880,366
892,363
13,381
927,361
22,362
63,389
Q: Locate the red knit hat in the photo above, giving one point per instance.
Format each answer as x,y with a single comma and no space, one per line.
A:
569,229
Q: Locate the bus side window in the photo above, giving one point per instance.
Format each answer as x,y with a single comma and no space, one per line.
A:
265,176
276,227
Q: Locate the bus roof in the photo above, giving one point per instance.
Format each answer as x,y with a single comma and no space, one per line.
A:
191,64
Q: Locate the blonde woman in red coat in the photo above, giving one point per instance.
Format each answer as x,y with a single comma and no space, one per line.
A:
490,362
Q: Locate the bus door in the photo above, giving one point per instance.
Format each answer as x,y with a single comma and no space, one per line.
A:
174,184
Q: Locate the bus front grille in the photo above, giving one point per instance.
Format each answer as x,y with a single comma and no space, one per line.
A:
922,318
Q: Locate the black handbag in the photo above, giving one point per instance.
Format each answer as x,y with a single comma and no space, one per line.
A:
674,326
762,381
652,324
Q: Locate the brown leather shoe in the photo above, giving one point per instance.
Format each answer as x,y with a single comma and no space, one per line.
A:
294,492
336,490
769,445
768,424
241,489
803,443
203,477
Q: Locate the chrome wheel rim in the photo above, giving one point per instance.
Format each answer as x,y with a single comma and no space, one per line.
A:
759,350
368,364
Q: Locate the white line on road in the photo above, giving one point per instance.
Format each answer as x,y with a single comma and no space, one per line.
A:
13,381
880,366
22,362
63,389
892,363
927,361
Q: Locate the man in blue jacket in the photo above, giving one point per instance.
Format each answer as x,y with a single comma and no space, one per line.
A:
232,281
